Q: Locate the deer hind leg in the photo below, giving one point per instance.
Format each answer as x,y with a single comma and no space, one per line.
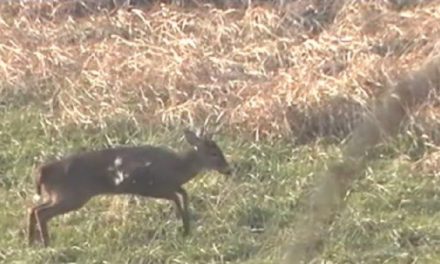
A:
33,221
45,214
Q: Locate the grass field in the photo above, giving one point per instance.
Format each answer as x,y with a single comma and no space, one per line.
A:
392,214
140,77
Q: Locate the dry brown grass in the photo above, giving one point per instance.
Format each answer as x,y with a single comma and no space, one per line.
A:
258,70
383,122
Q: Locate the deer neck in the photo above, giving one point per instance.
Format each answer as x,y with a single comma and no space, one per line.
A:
191,165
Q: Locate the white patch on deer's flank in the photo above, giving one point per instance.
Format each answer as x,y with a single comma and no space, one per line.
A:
118,161
148,163
120,177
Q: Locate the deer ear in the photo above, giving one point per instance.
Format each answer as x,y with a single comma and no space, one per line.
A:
191,137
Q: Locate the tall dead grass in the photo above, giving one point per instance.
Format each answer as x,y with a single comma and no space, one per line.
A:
406,96
261,71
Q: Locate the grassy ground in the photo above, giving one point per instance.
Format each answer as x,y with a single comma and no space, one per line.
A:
392,214
138,76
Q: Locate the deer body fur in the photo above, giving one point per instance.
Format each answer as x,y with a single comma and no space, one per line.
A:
147,171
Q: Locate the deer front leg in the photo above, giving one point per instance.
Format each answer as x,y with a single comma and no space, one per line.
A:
182,211
185,210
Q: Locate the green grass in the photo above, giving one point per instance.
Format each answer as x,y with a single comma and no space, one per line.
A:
393,215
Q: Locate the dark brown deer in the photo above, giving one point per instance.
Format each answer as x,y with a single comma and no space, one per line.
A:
147,171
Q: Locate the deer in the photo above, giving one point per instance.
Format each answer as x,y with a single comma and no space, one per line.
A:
146,170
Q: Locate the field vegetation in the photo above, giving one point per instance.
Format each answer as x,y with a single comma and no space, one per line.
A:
284,86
